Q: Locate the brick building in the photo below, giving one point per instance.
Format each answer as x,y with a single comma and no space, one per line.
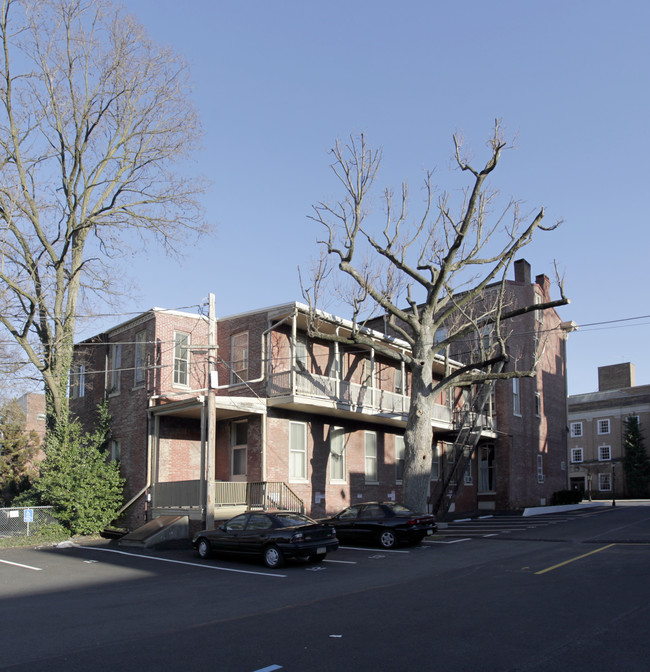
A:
597,428
318,425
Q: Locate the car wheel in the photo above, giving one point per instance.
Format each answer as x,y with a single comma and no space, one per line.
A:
317,557
203,548
387,539
273,557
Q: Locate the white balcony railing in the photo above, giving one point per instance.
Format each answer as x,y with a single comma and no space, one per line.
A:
361,398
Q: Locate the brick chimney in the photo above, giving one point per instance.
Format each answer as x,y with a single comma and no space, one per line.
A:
615,376
543,281
522,271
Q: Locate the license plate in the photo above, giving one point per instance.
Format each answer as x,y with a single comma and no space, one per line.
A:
429,531
321,549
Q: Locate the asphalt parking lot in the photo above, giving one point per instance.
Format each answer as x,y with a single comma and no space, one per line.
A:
539,595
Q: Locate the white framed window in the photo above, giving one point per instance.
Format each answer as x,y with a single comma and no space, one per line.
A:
239,448
538,404
115,446
576,429
540,468
181,358
604,453
633,417
370,443
605,482
486,468
297,451
516,397
116,367
400,449
302,354
139,356
576,455
78,381
399,381
603,426
239,358
337,455
539,314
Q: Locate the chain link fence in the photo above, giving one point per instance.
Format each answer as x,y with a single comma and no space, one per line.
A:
21,521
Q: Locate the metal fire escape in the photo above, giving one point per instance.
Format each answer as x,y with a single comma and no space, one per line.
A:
464,447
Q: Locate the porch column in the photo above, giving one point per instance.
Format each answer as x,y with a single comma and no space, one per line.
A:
294,336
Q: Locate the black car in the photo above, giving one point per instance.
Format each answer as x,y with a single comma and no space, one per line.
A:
385,523
273,536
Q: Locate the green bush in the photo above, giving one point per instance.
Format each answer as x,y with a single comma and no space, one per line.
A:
77,479
563,497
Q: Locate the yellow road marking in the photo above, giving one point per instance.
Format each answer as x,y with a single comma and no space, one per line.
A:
566,562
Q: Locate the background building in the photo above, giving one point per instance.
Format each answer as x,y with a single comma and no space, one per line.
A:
597,428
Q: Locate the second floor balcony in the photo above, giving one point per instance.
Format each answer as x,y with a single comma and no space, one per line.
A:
305,389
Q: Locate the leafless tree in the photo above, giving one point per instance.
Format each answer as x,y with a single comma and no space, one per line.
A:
438,280
95,122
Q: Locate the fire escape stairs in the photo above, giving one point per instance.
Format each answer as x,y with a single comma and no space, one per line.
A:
464,447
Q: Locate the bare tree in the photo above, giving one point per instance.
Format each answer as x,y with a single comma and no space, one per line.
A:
438,280
94,122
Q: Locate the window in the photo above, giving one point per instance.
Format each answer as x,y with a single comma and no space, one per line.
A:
116,367
399,381
540,468
139,358
538,404
435,462
116,450
468,478
239,446
632,417
297,451
239,358
78,381
181,358
603,426
302,356
576,455
516,399
604,453
605,482
486,468
371,457
539,314
337,455
576,429
400,449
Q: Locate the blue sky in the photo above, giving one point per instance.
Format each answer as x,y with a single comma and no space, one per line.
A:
277,82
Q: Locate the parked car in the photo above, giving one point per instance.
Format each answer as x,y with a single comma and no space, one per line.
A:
273,536
385,523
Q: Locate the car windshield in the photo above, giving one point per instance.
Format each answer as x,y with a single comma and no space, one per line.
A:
291,519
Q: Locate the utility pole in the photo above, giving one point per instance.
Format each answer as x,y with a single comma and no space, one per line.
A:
212,425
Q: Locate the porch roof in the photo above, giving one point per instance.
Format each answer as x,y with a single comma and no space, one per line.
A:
226,407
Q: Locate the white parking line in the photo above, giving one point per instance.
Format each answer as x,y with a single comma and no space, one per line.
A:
17,564
342,562
451,541
383,550
182,562
270,668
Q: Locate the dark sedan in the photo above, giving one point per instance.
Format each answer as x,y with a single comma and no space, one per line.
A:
387,524
274,537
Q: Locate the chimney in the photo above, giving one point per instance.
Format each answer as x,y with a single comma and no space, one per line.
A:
543,281
522,271
615,376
